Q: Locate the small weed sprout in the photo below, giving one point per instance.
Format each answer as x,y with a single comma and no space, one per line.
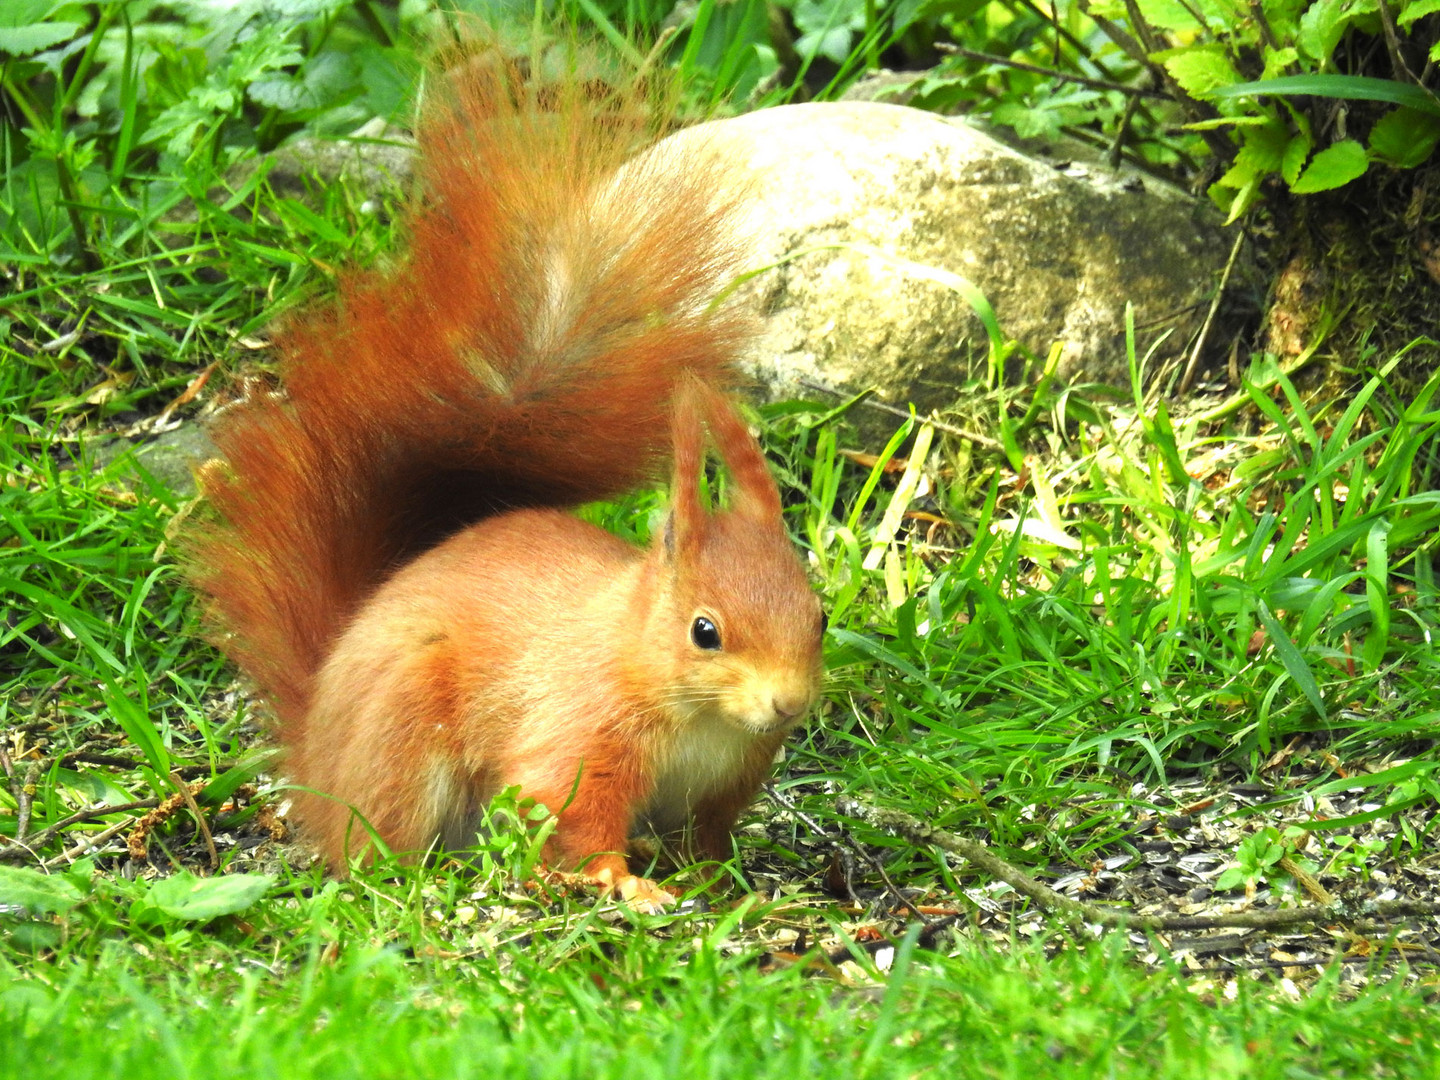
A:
1255,861
510,840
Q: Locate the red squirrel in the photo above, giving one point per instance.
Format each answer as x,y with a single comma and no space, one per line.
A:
390,559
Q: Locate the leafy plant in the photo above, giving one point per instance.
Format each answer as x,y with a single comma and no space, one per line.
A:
185,898
111,93
1278,77
1256,860
1313,93
1353,855
511,840
36,909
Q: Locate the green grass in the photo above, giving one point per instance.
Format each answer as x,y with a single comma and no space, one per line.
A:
1119,596
629,1004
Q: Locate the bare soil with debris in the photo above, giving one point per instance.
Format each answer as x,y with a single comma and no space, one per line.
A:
1183,840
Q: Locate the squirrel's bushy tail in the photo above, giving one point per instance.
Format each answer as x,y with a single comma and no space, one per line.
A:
522,350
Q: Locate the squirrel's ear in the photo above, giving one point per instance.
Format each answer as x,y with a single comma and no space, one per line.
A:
753,495
752,489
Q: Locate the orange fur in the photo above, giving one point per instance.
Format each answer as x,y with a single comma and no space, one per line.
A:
389,562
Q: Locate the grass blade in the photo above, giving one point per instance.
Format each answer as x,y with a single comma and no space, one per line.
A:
1342,87
1291,658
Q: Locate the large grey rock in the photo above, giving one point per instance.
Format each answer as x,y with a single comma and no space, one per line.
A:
1057,251
171,457
375,158
854,206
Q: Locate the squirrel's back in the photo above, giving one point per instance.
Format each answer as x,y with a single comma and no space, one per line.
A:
516,618
522,351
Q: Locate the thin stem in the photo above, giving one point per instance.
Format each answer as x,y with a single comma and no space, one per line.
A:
1188,377
1083,80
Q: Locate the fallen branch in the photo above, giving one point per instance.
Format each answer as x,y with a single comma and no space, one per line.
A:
24,799
1077,911
119,761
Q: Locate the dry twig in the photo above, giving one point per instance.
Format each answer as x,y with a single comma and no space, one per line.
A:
44,836
25,799
939,425
854,847
90,841
1063,76
1189,375
119,761
187,792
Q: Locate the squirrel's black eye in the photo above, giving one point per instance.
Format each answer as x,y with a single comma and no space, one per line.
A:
704,634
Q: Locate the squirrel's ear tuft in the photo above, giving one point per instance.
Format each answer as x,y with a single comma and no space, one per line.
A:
686,524
667,536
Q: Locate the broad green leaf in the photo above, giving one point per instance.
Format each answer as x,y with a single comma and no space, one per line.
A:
1284,17
1405,138
37,893
24,40
1344,87
1333,167
1242,200
1277,60
1029,123
279,92
1325,22
1262,151
908,12
1230,878
1170,15
1199,69
23,29
35,936
25,13
196,899
1293,160
1416,9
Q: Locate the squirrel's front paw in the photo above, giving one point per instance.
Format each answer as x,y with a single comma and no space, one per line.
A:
640,893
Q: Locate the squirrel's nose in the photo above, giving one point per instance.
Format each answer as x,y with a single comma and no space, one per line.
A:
789,706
